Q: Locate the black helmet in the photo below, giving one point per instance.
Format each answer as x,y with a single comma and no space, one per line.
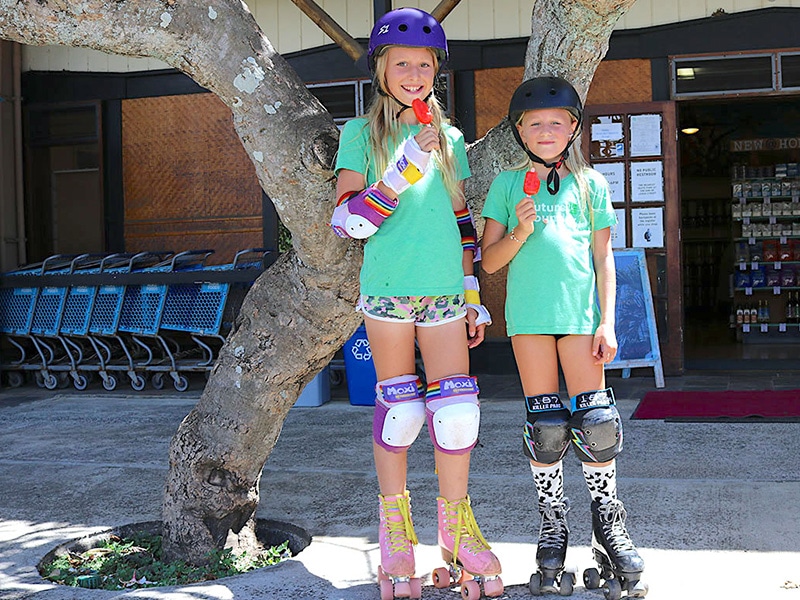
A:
545,92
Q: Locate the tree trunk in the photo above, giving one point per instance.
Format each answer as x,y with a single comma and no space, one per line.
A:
301,311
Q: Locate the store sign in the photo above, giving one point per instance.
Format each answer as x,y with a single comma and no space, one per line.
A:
765,144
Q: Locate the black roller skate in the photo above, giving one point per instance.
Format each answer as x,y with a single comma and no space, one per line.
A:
551,577
620,564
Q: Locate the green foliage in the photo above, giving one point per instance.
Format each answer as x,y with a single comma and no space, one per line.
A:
284,238
136,562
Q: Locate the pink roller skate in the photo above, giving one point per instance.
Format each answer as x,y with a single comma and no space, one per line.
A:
397,539
472,565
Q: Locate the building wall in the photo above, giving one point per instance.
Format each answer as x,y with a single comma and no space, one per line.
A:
290,30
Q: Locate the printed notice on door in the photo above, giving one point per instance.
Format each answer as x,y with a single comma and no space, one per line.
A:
645,135
618,231
615,175
647,225
647,181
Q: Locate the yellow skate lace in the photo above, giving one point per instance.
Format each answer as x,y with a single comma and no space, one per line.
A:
466,528
399,532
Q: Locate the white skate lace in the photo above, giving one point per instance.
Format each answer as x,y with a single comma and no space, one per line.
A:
613,515
554,524
399,532
464,529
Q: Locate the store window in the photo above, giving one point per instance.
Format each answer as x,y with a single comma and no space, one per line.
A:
346,100
723,75
64,190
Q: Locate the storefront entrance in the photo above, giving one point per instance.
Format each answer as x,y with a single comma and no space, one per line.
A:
740,222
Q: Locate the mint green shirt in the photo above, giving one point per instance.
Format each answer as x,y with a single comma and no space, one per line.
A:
417,250
551,286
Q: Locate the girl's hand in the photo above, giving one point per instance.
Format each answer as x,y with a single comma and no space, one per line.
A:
428,139
604,345
475,333
526,214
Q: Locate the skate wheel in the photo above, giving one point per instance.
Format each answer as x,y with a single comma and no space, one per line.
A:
387,589
441,578
471,590
534,585
567,584
612,590
416,588
402,589
493,587
638,590
591,579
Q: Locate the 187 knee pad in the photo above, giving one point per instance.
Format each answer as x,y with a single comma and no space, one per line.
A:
454,413
596,426
399,412
546,435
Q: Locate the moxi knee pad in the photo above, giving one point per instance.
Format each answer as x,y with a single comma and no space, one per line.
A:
596,426
454,413
399,412
546,434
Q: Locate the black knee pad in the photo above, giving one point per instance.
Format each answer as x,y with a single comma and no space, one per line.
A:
597,434
546,435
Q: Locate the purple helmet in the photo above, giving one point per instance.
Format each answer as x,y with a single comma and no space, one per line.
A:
407,27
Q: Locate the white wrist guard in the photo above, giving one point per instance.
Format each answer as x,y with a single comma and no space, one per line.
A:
473,298
408,169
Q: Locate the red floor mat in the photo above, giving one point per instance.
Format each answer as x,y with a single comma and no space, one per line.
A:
754,405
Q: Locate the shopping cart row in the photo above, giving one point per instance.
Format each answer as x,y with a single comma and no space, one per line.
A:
155,315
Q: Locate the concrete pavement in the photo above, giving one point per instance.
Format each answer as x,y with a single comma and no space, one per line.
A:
712,506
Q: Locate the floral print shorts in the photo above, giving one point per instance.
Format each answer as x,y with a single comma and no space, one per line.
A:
425,311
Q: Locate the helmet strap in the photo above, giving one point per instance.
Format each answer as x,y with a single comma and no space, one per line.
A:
553,178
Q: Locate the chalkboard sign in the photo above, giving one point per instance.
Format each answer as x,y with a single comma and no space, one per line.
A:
635,317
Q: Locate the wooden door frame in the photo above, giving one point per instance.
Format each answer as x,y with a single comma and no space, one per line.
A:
667,294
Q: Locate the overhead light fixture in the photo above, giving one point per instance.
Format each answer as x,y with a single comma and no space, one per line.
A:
685,72
690,130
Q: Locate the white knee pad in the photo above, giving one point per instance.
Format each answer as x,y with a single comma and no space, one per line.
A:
399,412
454,413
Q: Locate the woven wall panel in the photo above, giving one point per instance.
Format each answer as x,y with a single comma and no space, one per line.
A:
621,82
188,181
493,91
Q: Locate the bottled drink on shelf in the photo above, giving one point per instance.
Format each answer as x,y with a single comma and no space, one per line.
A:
740,314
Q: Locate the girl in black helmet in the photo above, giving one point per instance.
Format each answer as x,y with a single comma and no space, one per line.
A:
556,240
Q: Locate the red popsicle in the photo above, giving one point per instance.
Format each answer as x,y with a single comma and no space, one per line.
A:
422,111
531,184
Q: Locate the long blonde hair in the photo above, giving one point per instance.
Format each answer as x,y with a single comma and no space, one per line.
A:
384,126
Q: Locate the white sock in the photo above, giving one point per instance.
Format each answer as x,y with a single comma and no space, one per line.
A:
601,481
549,482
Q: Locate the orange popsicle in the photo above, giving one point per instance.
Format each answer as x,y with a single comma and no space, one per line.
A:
531,184
422,111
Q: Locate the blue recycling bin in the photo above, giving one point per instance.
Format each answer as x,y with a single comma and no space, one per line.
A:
360,369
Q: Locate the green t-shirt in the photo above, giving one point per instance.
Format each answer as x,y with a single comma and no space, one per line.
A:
551,285
417,250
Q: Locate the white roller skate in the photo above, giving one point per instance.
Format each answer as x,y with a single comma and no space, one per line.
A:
397,539
551,552
620,564
471,563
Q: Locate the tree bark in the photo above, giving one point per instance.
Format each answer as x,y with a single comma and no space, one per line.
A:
301,311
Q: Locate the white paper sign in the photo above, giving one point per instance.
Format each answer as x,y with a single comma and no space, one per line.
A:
618,231
647,181
615,175
647,226
606,131
645,135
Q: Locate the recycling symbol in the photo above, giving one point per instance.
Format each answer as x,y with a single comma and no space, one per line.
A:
361,350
